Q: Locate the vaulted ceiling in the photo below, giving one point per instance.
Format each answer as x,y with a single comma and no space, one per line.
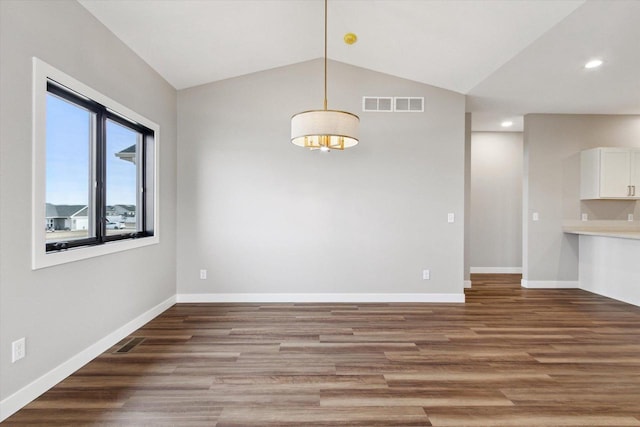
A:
510,57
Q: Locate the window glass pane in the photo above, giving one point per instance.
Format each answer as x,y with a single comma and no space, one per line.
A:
68,171
121,179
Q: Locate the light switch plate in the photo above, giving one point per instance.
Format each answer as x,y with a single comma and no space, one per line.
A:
535,216
451,217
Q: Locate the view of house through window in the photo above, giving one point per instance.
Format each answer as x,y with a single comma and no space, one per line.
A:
70,130
122,177
95,173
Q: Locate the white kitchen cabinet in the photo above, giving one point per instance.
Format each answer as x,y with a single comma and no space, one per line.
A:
610,173
635,172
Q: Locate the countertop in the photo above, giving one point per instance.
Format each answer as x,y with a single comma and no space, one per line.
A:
622,234
618,229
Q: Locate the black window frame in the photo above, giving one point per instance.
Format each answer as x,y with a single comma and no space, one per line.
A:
102,115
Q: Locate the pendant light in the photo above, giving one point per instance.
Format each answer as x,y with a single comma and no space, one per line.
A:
325,129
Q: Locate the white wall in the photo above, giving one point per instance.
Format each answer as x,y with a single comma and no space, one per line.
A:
64,310
552,145
264,216
609,266
496,202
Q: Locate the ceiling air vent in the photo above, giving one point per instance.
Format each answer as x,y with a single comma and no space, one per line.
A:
377,103
405,104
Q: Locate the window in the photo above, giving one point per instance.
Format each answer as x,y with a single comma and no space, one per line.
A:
94,172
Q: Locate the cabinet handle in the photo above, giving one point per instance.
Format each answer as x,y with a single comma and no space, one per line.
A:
628,190
634,190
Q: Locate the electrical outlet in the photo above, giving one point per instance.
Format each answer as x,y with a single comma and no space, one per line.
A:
585,217
18,350
203,274
630,217
426,275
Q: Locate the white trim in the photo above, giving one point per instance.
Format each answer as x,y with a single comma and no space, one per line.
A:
39,256
301,298
22,397
467,284
495,270
550,284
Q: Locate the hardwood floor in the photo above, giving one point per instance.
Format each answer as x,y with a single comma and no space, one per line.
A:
508,357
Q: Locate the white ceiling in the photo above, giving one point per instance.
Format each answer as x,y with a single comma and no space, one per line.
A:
511,57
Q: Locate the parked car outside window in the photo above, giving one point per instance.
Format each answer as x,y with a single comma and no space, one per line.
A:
115,225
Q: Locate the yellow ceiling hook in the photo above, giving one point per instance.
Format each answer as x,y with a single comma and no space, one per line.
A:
350,38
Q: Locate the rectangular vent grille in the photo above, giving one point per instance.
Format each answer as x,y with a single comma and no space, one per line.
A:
409,104
389,104
130,345
377,103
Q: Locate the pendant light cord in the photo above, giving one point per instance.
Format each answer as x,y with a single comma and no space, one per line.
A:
325,55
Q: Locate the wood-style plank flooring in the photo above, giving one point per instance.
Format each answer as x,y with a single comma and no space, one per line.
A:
508,357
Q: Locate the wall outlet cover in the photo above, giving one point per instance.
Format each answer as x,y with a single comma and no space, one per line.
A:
18,350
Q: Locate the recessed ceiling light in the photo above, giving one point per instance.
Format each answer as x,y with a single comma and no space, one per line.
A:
506,124
594,63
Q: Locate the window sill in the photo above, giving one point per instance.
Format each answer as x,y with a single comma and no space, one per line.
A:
43,259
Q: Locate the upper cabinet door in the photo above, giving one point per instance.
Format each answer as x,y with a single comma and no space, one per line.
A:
610,173
615,172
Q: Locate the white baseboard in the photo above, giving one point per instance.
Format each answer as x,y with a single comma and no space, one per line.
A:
550,284
467,284
496,270
22,397
302,298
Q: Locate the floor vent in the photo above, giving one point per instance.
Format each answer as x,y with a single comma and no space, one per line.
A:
130,345
390,104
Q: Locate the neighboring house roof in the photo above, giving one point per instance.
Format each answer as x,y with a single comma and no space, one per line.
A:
128,154
82,212
65,211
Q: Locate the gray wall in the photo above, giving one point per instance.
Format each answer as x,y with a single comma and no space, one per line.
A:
552,144
467,199
264,216
496,200
63,310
